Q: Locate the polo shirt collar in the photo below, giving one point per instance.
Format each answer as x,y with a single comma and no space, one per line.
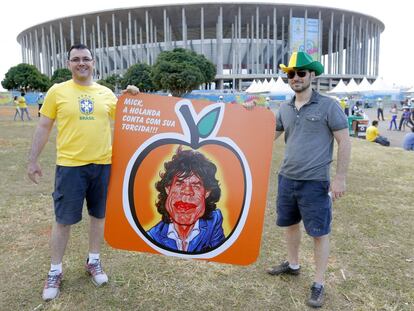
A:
313,100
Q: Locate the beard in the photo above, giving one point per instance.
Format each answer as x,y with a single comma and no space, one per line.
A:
301,87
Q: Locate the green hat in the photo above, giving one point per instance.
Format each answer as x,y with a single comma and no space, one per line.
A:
302,60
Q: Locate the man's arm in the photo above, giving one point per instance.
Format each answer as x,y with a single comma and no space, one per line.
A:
40,139
338,185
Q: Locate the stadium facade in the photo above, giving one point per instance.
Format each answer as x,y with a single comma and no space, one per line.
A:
244,40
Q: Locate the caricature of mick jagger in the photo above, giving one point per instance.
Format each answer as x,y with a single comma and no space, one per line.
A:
188,193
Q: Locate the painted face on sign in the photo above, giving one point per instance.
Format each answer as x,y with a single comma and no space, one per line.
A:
186,199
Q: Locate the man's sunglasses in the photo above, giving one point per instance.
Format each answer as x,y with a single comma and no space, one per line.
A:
301,73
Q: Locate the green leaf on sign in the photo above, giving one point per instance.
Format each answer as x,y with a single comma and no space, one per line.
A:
208,122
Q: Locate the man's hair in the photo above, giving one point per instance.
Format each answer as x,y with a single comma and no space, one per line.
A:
375,122
79,46
184,164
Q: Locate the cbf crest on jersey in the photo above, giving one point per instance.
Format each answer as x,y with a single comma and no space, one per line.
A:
86,105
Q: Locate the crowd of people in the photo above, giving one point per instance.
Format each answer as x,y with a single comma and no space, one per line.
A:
22,108
399,118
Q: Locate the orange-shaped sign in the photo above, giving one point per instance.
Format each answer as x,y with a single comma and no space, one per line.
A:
189,178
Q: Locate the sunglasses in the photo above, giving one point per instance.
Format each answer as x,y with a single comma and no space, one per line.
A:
300,73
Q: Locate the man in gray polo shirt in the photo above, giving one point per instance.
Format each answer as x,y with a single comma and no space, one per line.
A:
310,123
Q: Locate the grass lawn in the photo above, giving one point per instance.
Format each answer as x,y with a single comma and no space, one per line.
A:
372,251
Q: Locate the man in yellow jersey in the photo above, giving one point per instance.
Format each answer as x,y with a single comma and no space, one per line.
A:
373,135
82,110
23,106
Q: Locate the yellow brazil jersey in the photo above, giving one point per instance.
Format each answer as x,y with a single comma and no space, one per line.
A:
372,133
22,102
82,115
342,103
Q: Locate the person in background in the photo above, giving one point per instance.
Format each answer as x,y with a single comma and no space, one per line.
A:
23,106
373,135
412,113
267,102
346,110
18,112
342,103
394,114
408,143
40,100
405,119
356,109
380,109
83,111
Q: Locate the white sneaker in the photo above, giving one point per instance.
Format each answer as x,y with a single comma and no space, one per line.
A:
94,269
52,285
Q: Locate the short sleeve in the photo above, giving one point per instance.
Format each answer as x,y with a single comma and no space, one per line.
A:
49,104
112,104
279,123
337,119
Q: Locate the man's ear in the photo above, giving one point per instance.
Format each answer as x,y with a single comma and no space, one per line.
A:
207,194
167,189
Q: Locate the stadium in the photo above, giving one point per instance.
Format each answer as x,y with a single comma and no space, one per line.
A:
245,41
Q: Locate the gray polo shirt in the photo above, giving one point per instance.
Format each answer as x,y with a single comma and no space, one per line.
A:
309,136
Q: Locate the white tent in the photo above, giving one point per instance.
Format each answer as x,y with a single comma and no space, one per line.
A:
272,84
364,86
352,87
409,90
380,85
259,88
280,87
252,87
340,88
265,86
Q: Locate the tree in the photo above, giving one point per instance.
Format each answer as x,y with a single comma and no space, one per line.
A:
113,79
207,68
61,75
140,76
25,77
110,82
180,71
107,84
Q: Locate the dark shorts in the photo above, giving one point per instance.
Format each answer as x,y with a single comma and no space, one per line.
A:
306,200
75,184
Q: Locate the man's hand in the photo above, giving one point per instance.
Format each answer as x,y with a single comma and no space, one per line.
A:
338,187
34,172
131,89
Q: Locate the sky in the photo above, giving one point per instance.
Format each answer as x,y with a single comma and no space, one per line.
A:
397,45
